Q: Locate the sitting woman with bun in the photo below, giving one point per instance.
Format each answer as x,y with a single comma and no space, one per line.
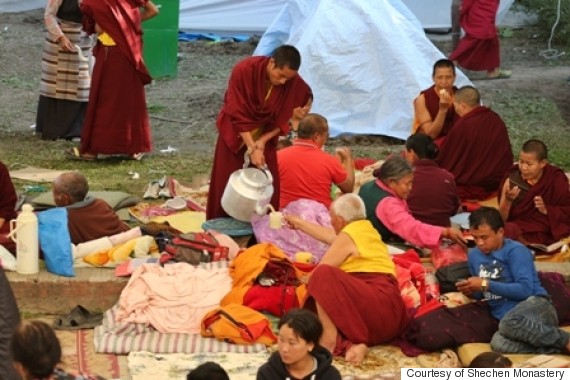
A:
433,198
387,209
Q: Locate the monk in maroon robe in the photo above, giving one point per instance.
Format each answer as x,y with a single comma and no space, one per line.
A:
117,120
535,198
478,50
7,205
477,151
434,113
264,99
7,200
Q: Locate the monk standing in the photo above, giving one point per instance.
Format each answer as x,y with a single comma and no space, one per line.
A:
264,98
434,113
117,121
477,151
535,198
479,49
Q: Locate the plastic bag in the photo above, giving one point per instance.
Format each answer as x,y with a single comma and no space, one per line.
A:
448,254
55,241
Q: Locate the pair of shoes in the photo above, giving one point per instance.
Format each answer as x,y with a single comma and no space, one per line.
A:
152,190
503,74
78,318
74,154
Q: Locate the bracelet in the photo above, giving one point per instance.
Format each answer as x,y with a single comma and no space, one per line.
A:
484,285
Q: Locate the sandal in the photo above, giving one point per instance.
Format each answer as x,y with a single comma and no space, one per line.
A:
136,156
78,318
503,74
74,154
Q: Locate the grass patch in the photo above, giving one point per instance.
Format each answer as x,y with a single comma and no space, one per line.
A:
108,174
155,108
530,117
18,83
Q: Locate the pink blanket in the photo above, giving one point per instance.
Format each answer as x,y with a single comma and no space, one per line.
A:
174,298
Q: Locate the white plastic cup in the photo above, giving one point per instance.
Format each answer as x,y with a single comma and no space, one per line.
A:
275,220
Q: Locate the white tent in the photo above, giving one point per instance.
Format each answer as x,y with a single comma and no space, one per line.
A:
9,6
254,16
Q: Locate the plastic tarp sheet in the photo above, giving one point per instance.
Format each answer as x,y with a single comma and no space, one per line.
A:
436,14
245,16
8,6
254,16
365,61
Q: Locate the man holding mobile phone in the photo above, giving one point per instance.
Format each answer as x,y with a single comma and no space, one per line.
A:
504,275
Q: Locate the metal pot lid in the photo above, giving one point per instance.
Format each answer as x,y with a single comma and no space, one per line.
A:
255,177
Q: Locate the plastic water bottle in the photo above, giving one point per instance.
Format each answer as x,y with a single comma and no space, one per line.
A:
432,285
24,232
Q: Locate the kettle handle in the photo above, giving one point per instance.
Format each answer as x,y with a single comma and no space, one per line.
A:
247,162
13,229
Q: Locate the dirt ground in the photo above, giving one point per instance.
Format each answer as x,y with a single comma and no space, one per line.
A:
183,110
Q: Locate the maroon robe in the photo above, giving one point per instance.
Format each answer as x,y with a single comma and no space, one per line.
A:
245,110
117,120
479,48
478,153
535,227
93,221
8,199
432,105
365,307
433,199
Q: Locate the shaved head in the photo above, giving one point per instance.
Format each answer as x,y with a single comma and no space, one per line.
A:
468,95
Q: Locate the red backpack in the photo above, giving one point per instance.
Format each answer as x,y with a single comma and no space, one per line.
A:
194,248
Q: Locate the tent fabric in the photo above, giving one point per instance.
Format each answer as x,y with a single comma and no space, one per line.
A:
254,16
365,61
9,6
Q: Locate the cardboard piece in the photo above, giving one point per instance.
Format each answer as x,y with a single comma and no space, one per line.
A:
33,174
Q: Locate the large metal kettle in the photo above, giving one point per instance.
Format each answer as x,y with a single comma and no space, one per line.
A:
248,191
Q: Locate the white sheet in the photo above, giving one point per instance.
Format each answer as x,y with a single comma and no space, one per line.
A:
254,16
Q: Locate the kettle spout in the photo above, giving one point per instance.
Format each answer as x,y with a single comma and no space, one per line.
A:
261,210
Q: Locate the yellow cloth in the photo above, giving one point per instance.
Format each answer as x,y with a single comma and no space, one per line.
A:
373,251
248,264
106,39
185,221
138,247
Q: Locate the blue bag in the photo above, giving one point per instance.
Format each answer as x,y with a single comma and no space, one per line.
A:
55,241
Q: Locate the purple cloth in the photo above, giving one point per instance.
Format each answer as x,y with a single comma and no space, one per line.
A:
293,241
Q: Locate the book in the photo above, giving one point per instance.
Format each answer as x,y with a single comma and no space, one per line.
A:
545,361
552,247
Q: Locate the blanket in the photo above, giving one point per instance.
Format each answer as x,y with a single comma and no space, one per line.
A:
173,298
124,337
382,360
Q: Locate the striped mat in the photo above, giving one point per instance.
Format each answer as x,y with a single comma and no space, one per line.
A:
123,337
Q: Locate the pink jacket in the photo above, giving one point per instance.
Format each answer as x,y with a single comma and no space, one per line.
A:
394,213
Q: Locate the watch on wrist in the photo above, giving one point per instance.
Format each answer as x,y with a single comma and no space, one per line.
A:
484,285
